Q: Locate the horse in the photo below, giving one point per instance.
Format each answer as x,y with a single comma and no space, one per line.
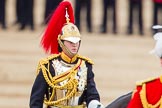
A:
121,102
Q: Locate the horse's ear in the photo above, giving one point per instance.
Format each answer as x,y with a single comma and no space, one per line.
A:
121,102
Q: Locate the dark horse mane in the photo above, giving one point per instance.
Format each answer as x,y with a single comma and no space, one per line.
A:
120,102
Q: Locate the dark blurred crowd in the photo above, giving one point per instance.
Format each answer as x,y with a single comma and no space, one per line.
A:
25,16
24,13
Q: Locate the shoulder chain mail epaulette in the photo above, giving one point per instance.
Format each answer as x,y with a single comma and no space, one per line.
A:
86,59
45,61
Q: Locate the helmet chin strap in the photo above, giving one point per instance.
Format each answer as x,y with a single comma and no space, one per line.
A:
68,52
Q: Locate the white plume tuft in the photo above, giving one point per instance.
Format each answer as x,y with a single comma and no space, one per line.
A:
158,46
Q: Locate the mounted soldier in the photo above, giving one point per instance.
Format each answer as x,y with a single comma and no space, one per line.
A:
65,79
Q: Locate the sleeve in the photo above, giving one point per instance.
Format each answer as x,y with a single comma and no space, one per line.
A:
91,92
135,102
38,91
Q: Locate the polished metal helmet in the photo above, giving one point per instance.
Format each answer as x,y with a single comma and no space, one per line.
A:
70,33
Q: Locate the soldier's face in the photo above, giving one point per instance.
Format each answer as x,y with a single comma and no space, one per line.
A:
73,47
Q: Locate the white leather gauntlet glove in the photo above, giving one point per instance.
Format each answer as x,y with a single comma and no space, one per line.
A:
95,104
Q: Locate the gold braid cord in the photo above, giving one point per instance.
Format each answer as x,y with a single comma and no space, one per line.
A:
144,99
70,86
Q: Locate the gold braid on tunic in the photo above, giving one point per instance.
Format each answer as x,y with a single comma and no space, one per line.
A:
145,102
144,97
70,86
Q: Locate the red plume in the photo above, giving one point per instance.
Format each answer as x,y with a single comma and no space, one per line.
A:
49,40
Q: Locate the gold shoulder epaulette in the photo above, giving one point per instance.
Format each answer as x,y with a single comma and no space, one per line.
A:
45,61
86,59
52,56
140,83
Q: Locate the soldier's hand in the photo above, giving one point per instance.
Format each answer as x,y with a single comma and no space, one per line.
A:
95,104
